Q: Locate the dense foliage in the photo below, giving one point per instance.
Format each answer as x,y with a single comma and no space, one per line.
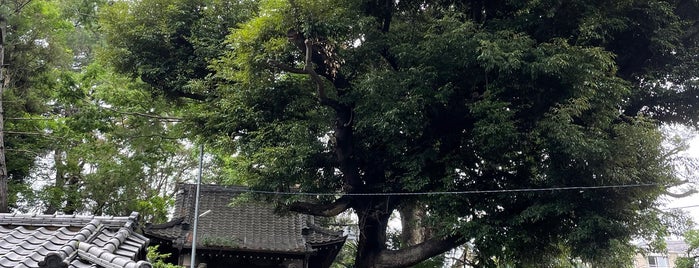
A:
526,130
360,97
80,138
689,259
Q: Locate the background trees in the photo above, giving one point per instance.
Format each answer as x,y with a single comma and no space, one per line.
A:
79,137
34,48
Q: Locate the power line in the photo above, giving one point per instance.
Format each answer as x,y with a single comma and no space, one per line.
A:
683,207
551,189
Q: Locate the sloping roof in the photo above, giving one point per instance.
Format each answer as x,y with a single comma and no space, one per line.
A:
246,226
70,241
676,246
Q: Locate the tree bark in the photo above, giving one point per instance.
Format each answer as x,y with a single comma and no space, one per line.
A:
56,196
372,251
415,254
3,167
373,211
373,214
414,231
323,210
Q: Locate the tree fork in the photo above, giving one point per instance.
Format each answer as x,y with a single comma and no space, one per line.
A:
417,253
373,214
344,113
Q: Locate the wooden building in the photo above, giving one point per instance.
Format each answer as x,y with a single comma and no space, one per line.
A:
246,234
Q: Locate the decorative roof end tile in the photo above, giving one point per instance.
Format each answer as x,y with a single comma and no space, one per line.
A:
53,260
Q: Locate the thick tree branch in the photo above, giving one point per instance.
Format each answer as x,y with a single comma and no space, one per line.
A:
323,210
316,66
415,254
308,69
390,59
681,195
320,85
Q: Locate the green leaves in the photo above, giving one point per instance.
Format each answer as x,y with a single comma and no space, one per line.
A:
423,97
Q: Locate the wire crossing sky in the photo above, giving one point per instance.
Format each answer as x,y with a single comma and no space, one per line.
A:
571,188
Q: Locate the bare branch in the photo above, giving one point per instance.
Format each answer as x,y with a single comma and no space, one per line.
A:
415,254
309,69
130,138
323,210
681,195
21,6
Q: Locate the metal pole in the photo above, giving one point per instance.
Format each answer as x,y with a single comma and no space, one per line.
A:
196,208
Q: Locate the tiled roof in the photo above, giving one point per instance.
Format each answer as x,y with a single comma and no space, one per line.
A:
676,246
250,226
70,241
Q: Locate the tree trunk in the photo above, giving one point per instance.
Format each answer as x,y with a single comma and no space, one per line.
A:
56,195
3,167
413,230
373,214
71,190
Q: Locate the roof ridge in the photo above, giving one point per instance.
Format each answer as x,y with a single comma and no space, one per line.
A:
215,187
68,251
87,232
59,220
106,259
168,224
117,239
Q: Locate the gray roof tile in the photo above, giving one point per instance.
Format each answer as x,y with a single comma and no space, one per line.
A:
244,226
46,240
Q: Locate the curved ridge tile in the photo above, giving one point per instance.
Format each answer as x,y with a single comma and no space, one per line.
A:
105,259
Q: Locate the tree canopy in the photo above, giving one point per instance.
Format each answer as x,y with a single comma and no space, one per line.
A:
527,130
501,101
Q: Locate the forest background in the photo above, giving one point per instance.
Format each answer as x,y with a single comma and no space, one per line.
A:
104,101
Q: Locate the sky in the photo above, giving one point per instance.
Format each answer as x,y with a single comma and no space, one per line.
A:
692,202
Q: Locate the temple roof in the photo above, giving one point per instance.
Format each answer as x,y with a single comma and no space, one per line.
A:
243,226
70,241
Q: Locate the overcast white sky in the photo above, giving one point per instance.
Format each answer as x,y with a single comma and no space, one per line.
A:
693,200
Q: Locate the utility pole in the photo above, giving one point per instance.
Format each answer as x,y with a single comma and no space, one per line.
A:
3,166
196,209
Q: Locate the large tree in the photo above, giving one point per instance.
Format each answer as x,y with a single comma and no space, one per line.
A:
528,129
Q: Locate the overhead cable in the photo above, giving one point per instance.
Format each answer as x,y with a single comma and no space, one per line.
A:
469,192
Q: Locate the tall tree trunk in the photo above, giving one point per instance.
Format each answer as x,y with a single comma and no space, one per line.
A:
413,230
71,190
373,214
3,167
56,194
